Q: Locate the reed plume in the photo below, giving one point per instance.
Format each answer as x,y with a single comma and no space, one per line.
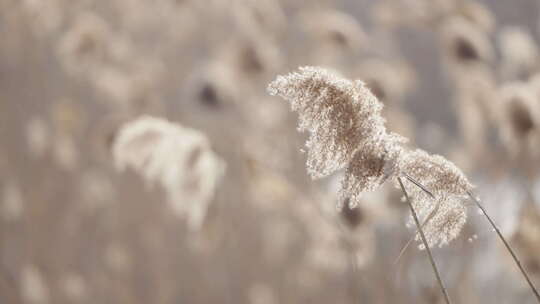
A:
347,131
447,184
178,158
341,115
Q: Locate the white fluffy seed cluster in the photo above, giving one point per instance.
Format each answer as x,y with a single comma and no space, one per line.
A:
341,115
449,186
372,164
178,158
347,131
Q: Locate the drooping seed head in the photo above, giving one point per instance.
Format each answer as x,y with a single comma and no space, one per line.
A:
347,131
448,185
339,114
372,164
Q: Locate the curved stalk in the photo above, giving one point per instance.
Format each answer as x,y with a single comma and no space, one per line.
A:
516,259
424,241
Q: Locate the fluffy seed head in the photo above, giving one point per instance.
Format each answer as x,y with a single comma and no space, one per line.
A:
449,186
339,114
346,130
447,222
435,172
372,164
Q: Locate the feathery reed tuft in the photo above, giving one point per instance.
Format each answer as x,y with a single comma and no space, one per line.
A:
372,164
449,187
177,158
341,115
347,131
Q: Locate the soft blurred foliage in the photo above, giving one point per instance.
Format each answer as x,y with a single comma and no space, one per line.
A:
460,78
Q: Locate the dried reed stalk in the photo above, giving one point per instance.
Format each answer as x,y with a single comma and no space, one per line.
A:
516,259
491,222
424,241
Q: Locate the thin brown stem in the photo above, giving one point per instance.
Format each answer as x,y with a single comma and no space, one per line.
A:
428,218
419,185
516,260
424,241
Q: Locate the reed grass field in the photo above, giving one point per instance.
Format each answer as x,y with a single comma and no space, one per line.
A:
269,151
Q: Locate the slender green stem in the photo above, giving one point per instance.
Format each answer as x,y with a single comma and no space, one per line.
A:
424,241
518,263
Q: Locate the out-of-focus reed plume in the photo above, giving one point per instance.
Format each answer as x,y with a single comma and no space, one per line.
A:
527,238
85,45
37,137
464,43
33,286
476,103
468,56
519,119
212,86
519,53
177,158
110,61
12,203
